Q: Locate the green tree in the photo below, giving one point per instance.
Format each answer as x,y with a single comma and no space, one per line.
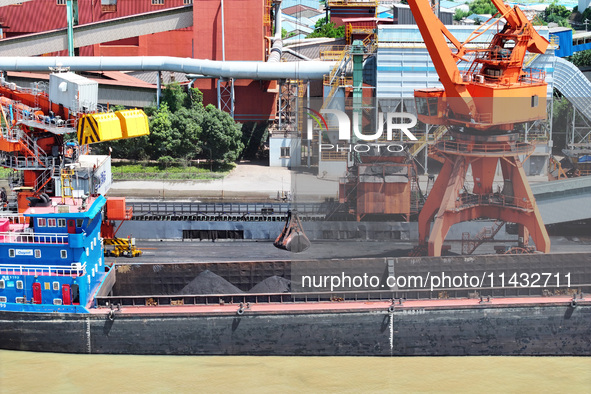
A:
186,132
459,14
285,34
161,141
254,136
482,7
323,28
180,129
221,136
175,96
581,59
558,14
561,118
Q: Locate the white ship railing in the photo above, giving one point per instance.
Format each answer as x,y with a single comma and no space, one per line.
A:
75,270
14,218
33,238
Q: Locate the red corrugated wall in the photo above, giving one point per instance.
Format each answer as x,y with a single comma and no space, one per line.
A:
244,40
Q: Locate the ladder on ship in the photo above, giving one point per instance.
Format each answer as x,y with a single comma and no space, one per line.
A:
67,188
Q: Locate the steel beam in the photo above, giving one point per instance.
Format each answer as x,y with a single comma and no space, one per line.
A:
98,32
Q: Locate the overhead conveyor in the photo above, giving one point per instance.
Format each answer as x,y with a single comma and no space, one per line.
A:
570,81
99,32
257,70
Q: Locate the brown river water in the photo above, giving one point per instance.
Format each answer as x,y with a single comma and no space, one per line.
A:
27,372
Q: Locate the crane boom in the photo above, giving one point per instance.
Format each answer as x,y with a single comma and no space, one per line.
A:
479,96
434,33
519,22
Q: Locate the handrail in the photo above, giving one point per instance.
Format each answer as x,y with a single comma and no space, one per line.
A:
73,270
13,218
496,199
33,238
468,148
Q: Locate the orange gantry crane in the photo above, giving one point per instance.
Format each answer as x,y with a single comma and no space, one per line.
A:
481,105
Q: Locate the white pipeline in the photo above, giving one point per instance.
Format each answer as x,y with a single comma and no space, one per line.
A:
313,70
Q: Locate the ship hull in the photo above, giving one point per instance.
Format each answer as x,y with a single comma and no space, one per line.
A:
551,329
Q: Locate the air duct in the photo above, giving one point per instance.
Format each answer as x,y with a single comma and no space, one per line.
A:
313,70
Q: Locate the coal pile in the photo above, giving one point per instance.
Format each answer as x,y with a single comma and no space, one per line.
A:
273,284
209,283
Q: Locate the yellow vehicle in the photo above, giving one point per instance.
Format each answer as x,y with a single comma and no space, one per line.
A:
122,247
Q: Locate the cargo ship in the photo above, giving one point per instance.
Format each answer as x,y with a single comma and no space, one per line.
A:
56,295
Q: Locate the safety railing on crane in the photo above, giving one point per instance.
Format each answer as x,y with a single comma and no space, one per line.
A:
495,149
495,199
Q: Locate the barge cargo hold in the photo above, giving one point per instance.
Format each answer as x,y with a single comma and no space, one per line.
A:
155,309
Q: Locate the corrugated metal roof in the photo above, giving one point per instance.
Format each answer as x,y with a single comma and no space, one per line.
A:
151,77
308,48
114,78
291,3
299,20
301,10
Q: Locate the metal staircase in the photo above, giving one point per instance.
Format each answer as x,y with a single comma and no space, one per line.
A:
335,78
424,141
486,234
25,154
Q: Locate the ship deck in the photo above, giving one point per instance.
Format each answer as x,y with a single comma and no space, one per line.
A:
406,306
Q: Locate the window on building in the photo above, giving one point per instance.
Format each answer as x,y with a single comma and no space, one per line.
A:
57,301
187,1
11,253
61,2
109,5
41,222
51,222
64,254
56,286
2,299
37,253
157,2
61,222
285,151
19,300
19,284
534,101
2,284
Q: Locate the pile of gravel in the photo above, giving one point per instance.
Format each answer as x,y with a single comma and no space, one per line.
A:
209,283
273,284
